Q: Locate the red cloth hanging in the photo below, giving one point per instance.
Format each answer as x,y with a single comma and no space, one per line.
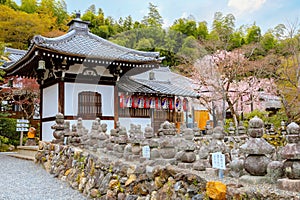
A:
157,103
146,102
185,103
171,103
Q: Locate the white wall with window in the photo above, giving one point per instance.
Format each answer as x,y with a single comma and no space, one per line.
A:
71,97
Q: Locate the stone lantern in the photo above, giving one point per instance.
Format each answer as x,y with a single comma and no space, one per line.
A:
291,166
256,149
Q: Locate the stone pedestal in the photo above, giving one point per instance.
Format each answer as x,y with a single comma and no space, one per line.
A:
289,184
254,179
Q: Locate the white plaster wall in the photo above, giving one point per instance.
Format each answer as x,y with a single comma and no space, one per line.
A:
50,101
47,134
137,121
88,124
71,97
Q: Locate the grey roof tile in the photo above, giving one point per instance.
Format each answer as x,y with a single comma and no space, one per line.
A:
134,85
84,43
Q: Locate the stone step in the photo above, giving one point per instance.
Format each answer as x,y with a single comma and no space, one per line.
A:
20,156
26,152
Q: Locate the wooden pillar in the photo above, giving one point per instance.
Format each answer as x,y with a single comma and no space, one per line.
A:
116,105
41,113
61,97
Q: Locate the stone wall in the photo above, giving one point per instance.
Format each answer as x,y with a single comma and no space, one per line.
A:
107,178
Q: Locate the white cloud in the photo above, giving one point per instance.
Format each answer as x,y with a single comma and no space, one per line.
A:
246,5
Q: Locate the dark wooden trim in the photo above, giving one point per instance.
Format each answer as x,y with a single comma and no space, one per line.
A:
116,106
41,113
78,78
69,117
48,119
61,97
48,83
75,117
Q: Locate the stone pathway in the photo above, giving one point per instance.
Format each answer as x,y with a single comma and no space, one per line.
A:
22,179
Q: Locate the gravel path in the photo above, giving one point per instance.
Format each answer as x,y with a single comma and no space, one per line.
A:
25,180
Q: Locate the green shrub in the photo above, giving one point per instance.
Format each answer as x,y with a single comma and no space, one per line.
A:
274,119
8,129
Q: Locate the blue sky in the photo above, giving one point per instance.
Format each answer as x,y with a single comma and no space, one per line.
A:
265,13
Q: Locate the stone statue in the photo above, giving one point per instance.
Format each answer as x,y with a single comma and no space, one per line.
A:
59,129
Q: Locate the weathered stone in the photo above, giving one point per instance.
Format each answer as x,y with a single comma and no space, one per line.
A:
216,190
236,168
257,164
291,151
198,197
292,169
289,185
131,179
256,122
94,193
140,189
257,146
255,132
188,157
275,170
201,165
254,179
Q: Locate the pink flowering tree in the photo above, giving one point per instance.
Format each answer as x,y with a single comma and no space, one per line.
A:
227,82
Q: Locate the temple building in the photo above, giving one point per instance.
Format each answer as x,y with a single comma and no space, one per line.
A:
83,75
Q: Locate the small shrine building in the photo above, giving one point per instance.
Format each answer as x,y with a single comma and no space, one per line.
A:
83,75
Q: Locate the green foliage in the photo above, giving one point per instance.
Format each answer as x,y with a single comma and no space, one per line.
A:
153,19
28,6
267,117
8,128
253,34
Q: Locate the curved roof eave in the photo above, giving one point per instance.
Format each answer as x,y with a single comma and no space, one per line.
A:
84,43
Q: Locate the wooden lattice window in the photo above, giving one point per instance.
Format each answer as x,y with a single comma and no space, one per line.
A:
89,104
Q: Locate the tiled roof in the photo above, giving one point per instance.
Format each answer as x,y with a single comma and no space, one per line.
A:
166,87
80,42
133,85
165,74
126,84
13,55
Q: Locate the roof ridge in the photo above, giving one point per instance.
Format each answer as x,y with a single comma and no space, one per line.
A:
134,51
39,39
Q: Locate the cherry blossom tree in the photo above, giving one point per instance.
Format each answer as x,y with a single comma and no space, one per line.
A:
228,81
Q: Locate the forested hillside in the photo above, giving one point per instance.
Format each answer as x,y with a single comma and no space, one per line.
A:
237,53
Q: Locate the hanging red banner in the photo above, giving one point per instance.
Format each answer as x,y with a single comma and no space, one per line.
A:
185,104
146,102
134,102
157,103
171,104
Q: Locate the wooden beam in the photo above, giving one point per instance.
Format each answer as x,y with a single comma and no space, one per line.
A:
41,113
61,97
116,105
